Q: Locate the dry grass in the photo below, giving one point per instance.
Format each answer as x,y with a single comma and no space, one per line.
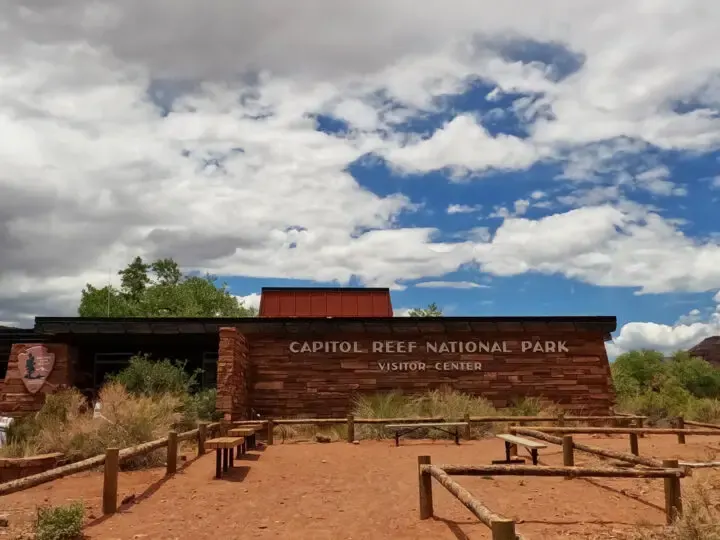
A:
445,402
65,424
701,514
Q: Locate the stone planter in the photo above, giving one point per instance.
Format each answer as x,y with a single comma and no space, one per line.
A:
14,468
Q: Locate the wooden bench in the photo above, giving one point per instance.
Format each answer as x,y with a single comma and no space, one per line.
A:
511,444
404,429
224,452
248,432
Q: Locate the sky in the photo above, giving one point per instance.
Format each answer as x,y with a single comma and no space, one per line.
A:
514,158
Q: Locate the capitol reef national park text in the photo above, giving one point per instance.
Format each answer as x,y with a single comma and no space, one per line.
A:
320,373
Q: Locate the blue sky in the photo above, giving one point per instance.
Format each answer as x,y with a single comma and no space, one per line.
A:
554,158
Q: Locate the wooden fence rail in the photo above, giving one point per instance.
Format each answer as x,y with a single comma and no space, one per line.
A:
702,424
670,473
351,421
573,472
680,431
112,459
625,431
598,451
502,528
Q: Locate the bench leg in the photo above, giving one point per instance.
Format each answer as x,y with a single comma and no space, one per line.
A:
232,457
397,438
534,454
252,442
225,459
218,463
507,451
243,447
457,436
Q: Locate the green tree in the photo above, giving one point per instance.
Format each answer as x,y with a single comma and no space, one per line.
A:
698,376
431,311
635,371
160,289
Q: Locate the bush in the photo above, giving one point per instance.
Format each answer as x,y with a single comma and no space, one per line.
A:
65,424
60,522
147,377
444,402
200,406
649,385
700,519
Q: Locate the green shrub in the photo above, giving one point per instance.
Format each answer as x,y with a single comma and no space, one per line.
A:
444,402
60,522
200,406
699,377
148,377
641,367
649,385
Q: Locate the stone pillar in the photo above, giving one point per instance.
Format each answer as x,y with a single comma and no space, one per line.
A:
233,398
17,398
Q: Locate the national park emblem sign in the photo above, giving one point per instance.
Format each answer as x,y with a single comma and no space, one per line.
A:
35,365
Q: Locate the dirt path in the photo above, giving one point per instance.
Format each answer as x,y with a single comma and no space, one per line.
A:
368,491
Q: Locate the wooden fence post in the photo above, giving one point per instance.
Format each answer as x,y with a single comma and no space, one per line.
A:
110,481
202,437
425,484
503,529
640,424
634,450
468,433
561,419
681,425
350,428
270,428
172,451
673,495
568,453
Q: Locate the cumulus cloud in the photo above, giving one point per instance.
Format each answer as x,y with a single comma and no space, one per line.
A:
451,285
127,131
251,300
687,332
462,209
620,246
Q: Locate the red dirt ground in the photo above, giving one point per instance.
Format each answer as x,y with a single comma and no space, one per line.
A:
340,491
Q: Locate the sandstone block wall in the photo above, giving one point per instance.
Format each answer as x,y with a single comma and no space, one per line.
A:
286,384
232,379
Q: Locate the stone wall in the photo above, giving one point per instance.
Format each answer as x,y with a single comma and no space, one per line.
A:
15,399
15,468
232,390
322,384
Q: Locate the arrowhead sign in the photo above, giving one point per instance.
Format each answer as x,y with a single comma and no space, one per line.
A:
35,364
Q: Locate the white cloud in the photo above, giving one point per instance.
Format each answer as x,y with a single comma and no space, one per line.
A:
463,209
251,300
656,181
402,312
233,177
463,145
621,245
687,332
451,285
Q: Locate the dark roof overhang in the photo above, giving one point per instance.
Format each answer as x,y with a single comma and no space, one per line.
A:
397,326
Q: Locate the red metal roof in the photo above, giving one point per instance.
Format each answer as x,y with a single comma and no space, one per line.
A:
325,302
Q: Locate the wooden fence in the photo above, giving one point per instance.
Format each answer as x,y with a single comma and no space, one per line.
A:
350,421
681,432
633,457
112,459
503,528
